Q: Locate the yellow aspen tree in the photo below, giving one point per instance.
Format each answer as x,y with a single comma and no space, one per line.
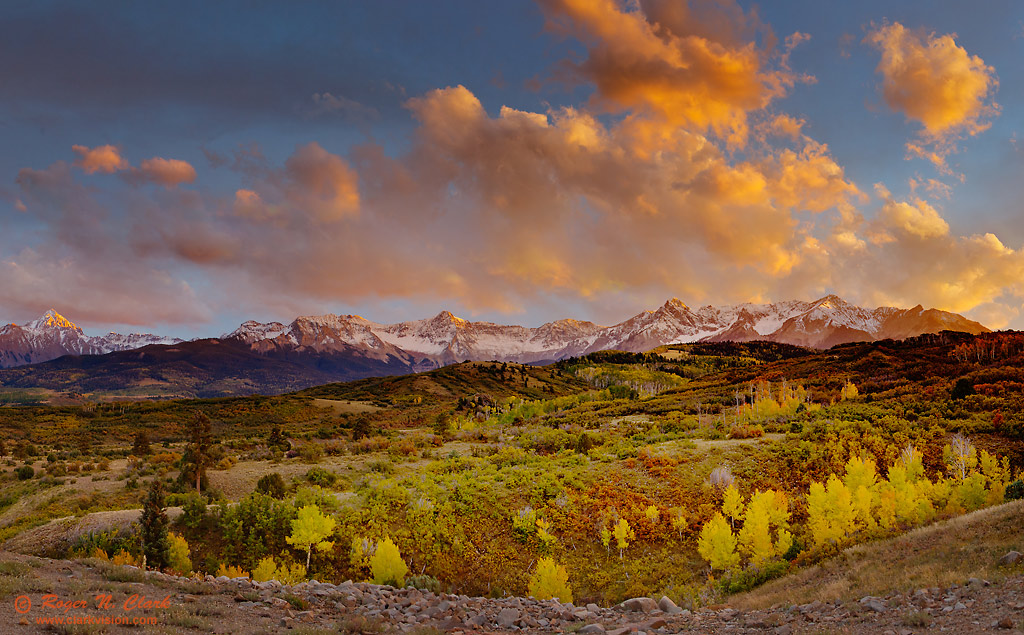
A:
652,514
623,534
679,517
830,512
550,581
862,480
765,510
732,505
309,529
387,566
717,544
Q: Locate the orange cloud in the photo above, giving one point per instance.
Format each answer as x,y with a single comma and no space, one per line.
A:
167,172
106,159
936,82
686,67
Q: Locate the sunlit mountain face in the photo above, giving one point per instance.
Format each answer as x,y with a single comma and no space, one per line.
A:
179,170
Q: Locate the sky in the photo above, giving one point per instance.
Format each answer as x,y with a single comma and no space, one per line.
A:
181,168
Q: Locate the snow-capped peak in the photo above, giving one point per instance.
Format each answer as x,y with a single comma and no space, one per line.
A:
51,320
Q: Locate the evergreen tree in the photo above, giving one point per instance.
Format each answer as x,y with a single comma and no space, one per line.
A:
197,454
141,445
154,527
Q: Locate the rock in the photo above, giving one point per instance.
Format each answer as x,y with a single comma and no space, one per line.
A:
591,629
727,614
477,620
873,604
593,608
959,606
785,629
507,617
286,622
1012,557
655,623
666,604
645,605
1006,622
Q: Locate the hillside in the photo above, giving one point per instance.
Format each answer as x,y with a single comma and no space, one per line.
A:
478,470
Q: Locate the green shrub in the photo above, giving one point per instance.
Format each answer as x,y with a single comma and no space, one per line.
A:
320,476
1015,490
25,472
424,583
273,485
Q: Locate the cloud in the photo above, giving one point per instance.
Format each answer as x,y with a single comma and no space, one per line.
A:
314,185
678,178
167,172
696,66
937,83
105,159
108,160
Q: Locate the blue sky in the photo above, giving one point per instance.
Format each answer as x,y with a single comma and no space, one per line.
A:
338,167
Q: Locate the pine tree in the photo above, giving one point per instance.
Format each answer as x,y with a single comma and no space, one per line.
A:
141,445
197,454
154,527
717,544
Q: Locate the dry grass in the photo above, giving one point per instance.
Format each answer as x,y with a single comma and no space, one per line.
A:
937,555
343,406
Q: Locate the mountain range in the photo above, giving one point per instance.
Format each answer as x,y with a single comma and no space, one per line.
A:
52,335
274,357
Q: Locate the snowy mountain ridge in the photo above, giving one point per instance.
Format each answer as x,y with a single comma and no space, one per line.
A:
52,335
445,338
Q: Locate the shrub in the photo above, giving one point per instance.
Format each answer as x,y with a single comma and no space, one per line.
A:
25,472
269,569
550,581
122,557
387,566
312,452
320,476
179,558
231,571
424,583
193,510
272,485
1015,490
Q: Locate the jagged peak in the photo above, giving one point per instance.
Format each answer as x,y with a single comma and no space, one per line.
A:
448,316
676,303
52,319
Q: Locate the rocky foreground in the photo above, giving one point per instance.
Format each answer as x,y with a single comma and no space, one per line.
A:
229,605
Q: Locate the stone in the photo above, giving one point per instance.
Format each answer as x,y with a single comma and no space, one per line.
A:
1006,622
593,608
959,606
873,604
666,604
645,605
655,623
1012,557
785,629
477,620
507,617
286,622
591,629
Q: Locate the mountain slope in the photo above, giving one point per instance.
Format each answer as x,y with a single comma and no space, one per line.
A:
52,335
